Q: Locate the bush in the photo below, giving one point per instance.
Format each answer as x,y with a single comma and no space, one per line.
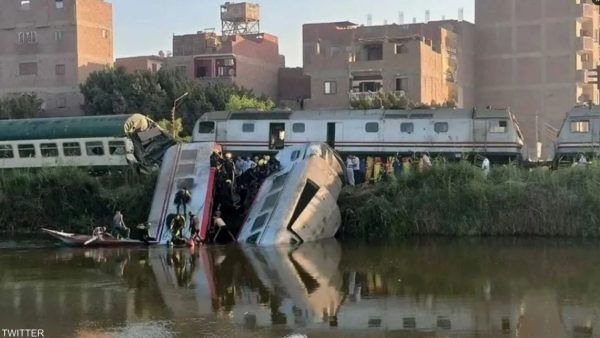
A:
456,199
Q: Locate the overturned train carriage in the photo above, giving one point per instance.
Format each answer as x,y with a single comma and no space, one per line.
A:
449,132
299,203
578,135
83,141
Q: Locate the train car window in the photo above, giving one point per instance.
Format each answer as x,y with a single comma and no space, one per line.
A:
260,222
248,127
498,126
295,155
206,127
372,127
408,128
71,149
116,147
49,150
580,127
6,151
298,127
440,127
26,150
94,148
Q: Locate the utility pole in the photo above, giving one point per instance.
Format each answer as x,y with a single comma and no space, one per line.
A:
173,112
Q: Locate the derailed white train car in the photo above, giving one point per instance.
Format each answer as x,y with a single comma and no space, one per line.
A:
578,135
450,132
299,203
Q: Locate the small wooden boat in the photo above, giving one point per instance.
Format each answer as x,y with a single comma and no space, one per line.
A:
90,241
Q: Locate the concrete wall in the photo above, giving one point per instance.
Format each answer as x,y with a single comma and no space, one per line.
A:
529,54
140,63
60,92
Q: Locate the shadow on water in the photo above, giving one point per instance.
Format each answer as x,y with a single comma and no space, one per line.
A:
420,288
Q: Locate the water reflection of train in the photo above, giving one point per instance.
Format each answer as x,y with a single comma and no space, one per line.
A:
306,287
449,132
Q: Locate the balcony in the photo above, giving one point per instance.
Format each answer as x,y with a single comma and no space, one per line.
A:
584,43
375,95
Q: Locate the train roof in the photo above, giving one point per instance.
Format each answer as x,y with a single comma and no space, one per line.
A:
442,113
71,127
584,111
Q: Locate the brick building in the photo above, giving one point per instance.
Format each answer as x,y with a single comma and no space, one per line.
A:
50,46
533,56
152,63
425,62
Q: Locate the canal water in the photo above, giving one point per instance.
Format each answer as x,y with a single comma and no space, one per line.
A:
420,288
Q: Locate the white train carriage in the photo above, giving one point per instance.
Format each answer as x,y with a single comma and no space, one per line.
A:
454,132
579,135
91,141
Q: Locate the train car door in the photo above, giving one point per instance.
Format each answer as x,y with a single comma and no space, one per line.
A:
331,134
480,127
276,135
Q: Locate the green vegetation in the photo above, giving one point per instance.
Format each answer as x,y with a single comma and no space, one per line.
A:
393,101
71,199
114,91
456,199
243,102
20,106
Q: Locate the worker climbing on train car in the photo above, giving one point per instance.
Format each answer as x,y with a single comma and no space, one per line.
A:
182,198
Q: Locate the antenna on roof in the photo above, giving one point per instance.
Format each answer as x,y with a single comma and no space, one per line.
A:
369,19
401,18
461,14
427,16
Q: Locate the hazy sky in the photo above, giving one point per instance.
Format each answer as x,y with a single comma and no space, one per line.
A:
144,27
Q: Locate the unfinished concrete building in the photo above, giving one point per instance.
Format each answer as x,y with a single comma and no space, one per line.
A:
427,62
50,46
533,56
152,63
242,56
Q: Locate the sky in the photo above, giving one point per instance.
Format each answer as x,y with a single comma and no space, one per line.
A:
143,27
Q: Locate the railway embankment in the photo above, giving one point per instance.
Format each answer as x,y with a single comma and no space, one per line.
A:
71,199
457,199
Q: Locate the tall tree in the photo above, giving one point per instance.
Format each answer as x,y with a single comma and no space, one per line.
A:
20,106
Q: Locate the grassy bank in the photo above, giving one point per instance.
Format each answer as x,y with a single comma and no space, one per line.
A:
70,199
455,199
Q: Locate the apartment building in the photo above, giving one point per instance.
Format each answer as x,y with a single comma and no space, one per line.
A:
132,64
533,56
249,60
50,46
426,62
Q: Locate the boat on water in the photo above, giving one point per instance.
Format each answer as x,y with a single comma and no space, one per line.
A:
90,241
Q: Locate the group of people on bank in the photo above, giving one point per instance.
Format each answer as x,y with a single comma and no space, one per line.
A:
373,169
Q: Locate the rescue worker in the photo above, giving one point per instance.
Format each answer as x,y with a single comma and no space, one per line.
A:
176,227
424,162
229,167
485,166
194,227
398,166
352,164
182,197
119,225
274,164
406,164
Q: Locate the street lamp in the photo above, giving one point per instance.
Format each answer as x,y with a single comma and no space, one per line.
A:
173,111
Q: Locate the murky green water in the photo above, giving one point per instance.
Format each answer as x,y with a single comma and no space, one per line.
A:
424,288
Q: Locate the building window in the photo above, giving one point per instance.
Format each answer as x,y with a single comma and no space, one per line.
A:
580,127
60,4
440,127
6,151
408,127
200,72
330,87
26,38
25,5
94,148
71,149
154,68
372,127
49,150
59,35
26,150
401,48
28,68
61,101
498,126
298,127
248,127
59,70
105,33
402,84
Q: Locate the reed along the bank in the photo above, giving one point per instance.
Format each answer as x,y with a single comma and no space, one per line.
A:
71,199
457,199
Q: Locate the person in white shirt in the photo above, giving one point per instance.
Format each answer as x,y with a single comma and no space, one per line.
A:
350,165
485,166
